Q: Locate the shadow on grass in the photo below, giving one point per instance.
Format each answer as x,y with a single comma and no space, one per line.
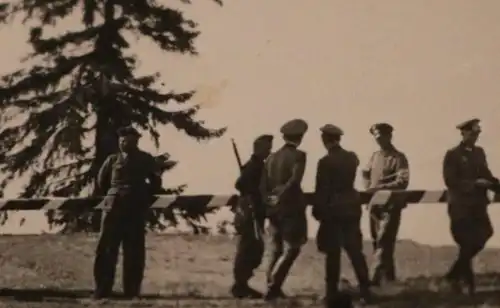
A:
413,292
58,295
425,299
406,298
425,292
53,294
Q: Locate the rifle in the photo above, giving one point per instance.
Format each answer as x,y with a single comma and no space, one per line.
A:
256,229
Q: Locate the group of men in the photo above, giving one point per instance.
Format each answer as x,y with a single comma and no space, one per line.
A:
270,187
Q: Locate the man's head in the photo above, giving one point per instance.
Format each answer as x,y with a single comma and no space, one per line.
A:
262,146
294,131
382,132
470,131
330,135
128,138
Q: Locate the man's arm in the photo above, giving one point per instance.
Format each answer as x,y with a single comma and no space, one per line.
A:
297,172
244,180
450,174
487,174
402,175
486,169
366,172
355,162
104,175
263,183
321,188
154,174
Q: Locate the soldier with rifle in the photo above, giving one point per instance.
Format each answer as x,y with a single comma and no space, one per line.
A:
249,218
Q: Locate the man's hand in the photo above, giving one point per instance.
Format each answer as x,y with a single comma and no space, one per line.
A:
272,200
275,196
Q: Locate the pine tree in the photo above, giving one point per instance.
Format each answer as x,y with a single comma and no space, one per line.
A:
59,117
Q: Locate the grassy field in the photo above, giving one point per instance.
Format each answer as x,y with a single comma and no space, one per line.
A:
195,271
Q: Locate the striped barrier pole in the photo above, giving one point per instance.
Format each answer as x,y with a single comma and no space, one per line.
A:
215,201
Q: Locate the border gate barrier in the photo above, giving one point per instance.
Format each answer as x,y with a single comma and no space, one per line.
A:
215,201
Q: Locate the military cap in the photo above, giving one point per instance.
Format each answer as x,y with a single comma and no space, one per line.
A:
264,138
294,127
381,129
331,129
128,131
470,125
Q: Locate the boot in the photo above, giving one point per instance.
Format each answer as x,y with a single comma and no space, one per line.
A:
244,291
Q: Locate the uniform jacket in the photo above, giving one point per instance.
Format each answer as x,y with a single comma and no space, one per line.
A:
462,166
387,170
282,177
248,183
134,174
335,195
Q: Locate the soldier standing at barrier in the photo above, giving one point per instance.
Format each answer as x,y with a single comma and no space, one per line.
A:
387,170
286,206
338,209
250,247
123,176
468,177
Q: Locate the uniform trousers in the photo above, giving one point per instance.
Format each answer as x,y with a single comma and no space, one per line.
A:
123,224
288,233
334,234
471,233
249,249
384,226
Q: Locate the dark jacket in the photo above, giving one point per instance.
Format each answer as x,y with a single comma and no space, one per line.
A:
462,166
282,177
248,182
334,194
134,174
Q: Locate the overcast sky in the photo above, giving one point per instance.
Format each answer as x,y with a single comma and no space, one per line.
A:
422,66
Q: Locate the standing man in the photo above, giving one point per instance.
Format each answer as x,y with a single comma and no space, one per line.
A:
468,177
338,209
123,177
281,188
387,170
250,247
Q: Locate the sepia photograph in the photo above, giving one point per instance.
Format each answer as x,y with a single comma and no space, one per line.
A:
249,153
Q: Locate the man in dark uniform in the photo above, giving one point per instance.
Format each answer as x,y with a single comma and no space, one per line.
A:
338,209
468,177
128,178
387,170
286,206
250,213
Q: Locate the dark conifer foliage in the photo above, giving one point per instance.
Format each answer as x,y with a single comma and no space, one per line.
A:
60,115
